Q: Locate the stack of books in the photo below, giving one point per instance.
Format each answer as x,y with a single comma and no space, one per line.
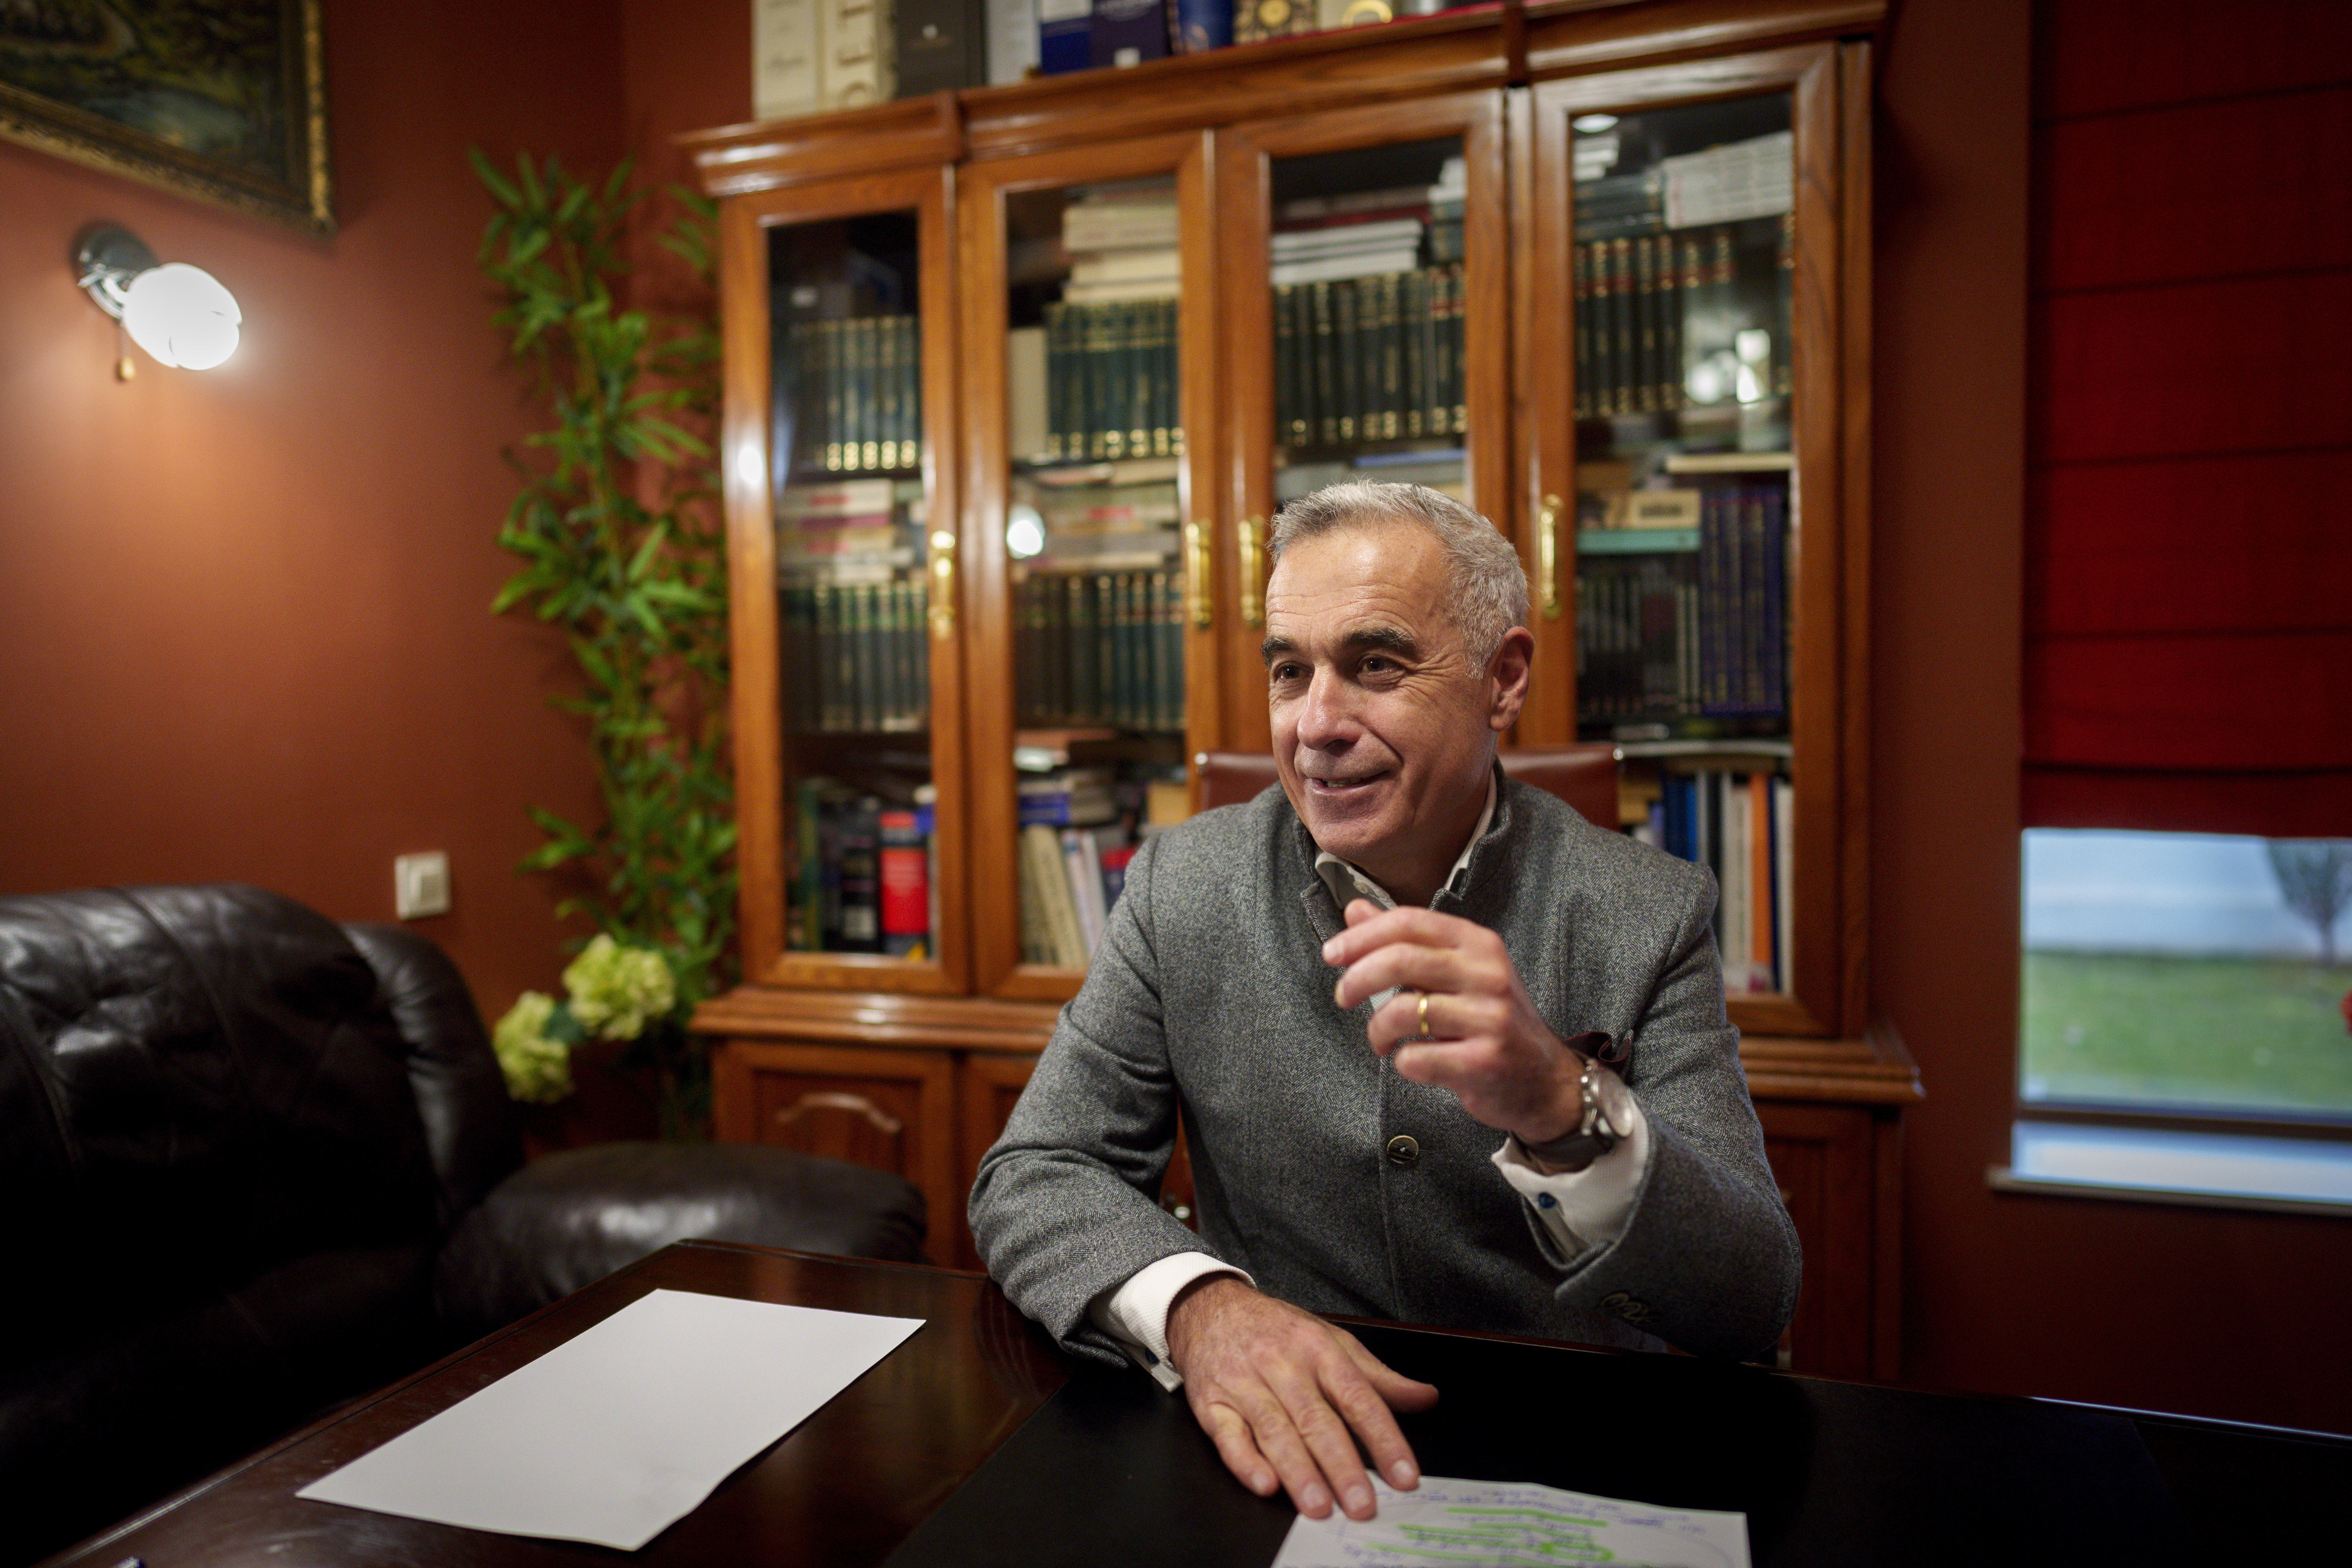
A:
1122,242
1735,816
1657,267
1107,372
863,870
1361,234
1368,359
1080,826
852,606
855,389
1100,648
1675,625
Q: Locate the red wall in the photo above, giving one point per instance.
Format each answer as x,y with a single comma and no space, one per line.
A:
244,614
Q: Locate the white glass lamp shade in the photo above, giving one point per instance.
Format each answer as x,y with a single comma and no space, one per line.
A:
182,315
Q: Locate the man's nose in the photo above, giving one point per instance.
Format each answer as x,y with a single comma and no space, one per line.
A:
1327,715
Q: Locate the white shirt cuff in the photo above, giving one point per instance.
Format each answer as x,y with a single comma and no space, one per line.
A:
1136,1313
1583,1209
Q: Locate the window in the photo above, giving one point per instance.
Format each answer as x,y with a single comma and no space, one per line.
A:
2178,990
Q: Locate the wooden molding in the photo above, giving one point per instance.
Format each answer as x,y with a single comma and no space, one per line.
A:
1565,36
880,1018
1873,1070
736,159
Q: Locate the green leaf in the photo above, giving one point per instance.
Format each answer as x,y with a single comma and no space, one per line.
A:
499,186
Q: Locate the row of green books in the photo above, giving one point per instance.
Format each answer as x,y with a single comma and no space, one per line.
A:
1368,359
862,872
1696,628
856,392
1633,299
1110,381
856,657
1099,649
1662,320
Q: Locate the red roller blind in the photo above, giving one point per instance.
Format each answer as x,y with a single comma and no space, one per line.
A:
2188,576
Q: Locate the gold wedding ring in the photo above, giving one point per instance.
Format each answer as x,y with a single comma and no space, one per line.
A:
1424,1015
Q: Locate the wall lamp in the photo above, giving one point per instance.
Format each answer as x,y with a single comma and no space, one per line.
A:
179,313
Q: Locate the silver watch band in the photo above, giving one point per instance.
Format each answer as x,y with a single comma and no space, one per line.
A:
1591,1137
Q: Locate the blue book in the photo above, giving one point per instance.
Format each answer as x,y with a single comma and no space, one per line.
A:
1127,32
1201,25
1065,36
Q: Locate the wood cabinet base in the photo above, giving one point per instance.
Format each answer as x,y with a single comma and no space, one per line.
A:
923,1085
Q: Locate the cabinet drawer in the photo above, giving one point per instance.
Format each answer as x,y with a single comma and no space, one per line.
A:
891,1109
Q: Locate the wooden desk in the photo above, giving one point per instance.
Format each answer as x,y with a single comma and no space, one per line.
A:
977,1443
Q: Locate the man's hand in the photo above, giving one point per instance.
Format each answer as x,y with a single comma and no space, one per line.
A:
1286,1395
1484,1040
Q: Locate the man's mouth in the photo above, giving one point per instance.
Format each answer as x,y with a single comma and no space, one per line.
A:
1343,785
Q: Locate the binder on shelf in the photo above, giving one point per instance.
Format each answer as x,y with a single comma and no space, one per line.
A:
1065,36
937,45
1127,32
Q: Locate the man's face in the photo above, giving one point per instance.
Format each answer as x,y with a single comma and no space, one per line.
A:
1382,726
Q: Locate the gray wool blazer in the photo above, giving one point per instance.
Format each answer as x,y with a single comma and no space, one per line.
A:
1208,994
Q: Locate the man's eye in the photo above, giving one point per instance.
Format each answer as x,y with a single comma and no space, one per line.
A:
1282,672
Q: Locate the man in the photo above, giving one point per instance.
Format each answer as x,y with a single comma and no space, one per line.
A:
1483,940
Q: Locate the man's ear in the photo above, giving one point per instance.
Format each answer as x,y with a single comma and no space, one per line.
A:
1507,674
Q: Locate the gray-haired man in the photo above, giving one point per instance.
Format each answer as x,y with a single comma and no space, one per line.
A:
1344,1138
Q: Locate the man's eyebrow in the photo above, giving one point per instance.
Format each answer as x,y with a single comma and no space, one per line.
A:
1387,639
1390,639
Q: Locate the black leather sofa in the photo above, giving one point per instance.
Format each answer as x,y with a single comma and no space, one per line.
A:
255,1163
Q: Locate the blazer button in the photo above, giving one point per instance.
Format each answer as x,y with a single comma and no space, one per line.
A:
1402,1150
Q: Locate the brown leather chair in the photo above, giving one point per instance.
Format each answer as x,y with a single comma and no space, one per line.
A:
1583,775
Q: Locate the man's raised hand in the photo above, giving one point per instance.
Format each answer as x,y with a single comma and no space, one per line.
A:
1484,1040
1286,1397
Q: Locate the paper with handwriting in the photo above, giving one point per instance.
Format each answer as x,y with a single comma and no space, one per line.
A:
1447,1520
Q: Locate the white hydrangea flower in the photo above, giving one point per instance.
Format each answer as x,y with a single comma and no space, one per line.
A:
537,1070
615,990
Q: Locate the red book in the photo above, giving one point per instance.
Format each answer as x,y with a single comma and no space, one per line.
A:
905,876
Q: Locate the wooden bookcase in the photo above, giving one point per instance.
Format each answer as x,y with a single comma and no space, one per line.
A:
973,212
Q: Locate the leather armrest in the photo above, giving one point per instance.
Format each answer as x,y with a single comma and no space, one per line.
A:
566,1221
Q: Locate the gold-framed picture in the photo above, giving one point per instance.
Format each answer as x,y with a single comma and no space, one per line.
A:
221,99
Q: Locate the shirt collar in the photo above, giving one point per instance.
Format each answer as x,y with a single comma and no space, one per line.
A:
1347,882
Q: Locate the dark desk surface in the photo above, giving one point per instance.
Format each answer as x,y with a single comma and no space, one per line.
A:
977,1443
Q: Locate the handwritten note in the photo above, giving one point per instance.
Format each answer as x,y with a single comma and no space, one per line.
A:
1452,1521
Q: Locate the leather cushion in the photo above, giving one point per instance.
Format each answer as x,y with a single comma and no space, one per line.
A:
201,1084
469,1123
569,1218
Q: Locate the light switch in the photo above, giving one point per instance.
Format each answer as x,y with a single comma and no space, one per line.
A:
420,884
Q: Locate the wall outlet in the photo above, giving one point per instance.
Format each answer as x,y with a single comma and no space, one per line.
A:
420,884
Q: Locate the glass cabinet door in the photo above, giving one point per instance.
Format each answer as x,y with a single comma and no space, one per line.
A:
1686,491
1363,328
1085,283
846,542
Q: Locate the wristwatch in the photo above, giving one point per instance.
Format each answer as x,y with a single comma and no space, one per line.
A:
1591,1137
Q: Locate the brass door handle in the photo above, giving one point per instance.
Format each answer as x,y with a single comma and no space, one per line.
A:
943,585
1548,555
1252,536
1196,550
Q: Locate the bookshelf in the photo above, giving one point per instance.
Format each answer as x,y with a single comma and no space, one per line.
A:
1599,270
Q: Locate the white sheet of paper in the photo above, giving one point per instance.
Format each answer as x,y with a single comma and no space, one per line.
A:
1454,1520
618,1432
